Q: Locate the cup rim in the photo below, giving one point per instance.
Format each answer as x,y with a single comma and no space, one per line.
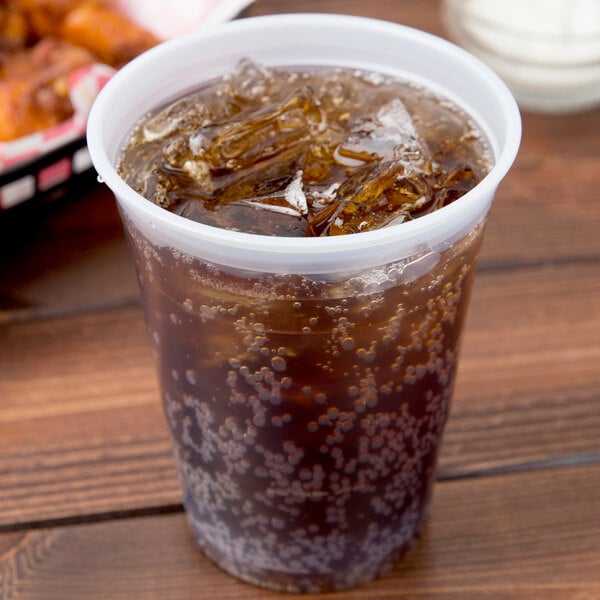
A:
282,249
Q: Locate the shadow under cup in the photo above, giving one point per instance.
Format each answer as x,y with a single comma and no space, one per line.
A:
306,381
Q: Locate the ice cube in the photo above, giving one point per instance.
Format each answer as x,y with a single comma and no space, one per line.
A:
268,132
184,115
198,143
251,80
198,170
389,134
295,196
374,196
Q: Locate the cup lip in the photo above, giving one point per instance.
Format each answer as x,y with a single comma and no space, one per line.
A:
307,246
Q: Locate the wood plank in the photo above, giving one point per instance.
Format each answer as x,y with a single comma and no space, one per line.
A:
424,14
516,537
81,428
70,256
528,382
539,217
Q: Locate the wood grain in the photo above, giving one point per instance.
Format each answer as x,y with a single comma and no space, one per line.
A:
424,14
511,537
82,431
69,256
528,383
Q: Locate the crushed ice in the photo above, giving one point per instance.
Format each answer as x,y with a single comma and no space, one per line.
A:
295,196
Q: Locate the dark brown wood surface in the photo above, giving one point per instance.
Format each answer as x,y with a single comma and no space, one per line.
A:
89,502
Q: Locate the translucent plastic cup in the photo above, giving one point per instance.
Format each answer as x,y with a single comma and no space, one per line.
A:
306,381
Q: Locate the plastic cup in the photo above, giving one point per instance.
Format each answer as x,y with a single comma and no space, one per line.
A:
306,381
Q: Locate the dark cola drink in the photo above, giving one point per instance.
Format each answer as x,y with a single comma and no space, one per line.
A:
307,411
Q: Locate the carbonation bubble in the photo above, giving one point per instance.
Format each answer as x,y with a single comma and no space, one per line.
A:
348,343
278,363
289,446
333,413
320,398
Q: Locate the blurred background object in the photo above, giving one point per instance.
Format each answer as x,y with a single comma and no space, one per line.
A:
547,51
55,55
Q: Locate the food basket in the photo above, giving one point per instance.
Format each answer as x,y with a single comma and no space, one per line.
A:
49,163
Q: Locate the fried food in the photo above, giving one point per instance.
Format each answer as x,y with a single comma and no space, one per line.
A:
42,42
14,29
112,37
33,90
44,16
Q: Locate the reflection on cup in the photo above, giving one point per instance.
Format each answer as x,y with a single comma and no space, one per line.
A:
306,381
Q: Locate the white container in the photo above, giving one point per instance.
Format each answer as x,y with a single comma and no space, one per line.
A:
547,51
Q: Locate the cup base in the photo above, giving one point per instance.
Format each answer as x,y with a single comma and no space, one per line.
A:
305,583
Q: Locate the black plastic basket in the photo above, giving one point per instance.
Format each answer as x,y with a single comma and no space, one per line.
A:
48,176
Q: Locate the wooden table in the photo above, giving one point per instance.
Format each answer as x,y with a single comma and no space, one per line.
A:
89,502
